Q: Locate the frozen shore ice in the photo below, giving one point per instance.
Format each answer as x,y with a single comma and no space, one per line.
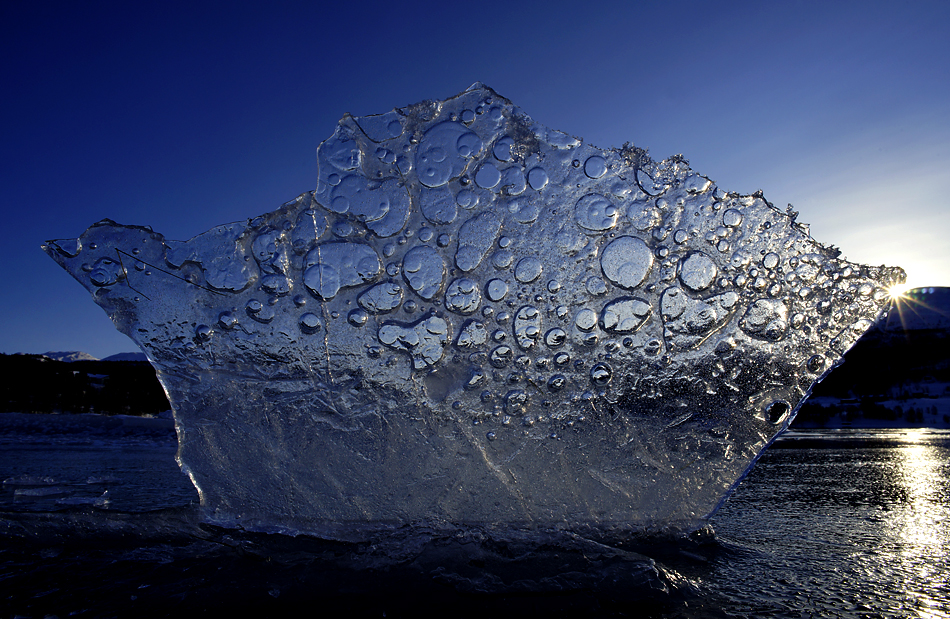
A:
474,318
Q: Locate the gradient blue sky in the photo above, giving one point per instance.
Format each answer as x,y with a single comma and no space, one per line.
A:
183,117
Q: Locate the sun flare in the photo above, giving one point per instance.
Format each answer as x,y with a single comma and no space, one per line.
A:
897,291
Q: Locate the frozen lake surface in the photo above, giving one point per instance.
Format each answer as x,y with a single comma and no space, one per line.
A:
97,520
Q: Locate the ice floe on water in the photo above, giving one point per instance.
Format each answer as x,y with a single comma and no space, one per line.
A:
476,319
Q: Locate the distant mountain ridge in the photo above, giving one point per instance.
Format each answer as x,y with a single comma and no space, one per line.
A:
72,356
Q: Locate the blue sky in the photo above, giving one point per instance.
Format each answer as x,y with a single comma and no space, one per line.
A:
183,117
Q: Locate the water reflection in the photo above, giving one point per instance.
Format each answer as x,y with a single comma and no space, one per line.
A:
840,523
922,526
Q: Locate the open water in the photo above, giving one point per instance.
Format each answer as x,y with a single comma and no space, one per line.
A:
97,520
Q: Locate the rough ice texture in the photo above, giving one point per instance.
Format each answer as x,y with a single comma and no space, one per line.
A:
476,319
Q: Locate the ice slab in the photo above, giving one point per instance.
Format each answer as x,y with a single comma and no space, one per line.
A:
476,319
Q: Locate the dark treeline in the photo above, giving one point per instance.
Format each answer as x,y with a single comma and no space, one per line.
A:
886,366
37,384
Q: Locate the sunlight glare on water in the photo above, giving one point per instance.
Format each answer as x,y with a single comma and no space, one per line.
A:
921,527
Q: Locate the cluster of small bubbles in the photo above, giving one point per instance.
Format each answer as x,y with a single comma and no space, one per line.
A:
516,401
527,327
462,296
500,356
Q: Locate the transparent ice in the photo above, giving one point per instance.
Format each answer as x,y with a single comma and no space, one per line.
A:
476,319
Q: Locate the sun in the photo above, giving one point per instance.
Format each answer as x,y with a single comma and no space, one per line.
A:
897,291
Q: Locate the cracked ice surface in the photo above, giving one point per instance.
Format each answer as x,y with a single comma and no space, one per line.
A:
476,319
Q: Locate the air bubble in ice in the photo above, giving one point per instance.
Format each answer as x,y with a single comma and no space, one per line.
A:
537,178
595,166
335,265
596,286
466,199
424,341
496,290
310,323
697,271
443,151
586,319
600,374
476,237
357,317
105,272
487,176
502,149
502,259
624,315
595,213
626,261
767,319
424,271
527,270
438,206
524,211
500,356
731,218
555,337
516,401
